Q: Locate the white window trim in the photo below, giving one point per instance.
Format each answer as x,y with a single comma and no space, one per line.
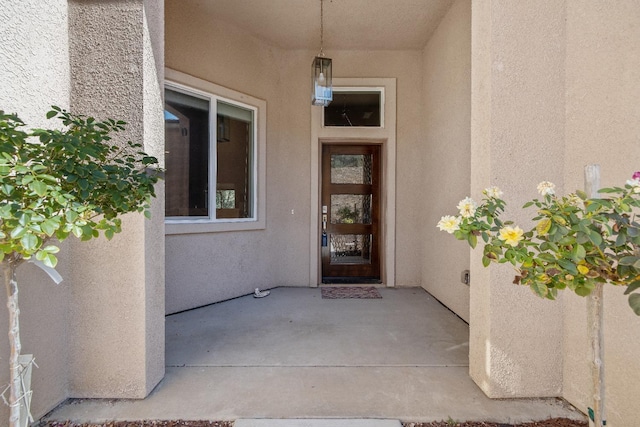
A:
379,89
189,225
353,135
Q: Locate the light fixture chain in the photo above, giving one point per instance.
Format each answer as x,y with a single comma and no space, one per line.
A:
321,26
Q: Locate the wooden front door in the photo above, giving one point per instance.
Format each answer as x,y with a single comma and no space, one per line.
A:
350,213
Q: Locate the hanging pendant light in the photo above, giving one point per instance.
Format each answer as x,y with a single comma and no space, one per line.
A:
321,84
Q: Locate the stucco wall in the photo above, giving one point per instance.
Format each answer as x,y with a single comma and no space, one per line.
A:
572,67
517,137
602,111
204,268
74,329
209,267
34,74
117,325
405,66
446,164
153,137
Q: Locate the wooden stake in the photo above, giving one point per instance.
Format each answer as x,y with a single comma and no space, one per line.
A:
595,321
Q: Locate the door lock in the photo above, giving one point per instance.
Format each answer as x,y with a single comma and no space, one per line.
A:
324,227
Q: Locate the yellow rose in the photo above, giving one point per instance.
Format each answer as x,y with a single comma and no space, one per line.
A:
511,235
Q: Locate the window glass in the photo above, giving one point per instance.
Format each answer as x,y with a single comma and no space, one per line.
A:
354,108
209,144
186,155
234,160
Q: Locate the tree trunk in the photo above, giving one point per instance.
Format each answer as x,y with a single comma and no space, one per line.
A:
595,320
15,390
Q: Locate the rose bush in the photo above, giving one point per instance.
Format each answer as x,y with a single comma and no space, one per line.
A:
576,241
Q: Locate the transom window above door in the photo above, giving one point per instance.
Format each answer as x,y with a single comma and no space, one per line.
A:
212,151
355,107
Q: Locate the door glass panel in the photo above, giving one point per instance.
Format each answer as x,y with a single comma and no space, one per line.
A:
350,248
350,209
351,168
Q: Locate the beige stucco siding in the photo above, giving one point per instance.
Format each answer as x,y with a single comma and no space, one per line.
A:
35,65
405,67
34,74
603,127
209,267
554,87
154,242
517,138
446,149
112,294
117,325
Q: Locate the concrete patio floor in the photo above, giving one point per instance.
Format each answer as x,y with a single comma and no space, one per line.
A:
296,355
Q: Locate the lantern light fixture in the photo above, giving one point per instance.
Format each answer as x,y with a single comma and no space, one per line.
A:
321,82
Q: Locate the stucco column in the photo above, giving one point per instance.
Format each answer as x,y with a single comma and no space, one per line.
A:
517,140
117,305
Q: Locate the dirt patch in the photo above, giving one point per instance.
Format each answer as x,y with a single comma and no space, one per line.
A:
554,422
179,423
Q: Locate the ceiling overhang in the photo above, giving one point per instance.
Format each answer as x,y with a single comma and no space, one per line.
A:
348,24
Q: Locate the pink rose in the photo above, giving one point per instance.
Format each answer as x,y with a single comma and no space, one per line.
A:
636,175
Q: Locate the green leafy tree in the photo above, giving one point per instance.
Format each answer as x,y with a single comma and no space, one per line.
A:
57,183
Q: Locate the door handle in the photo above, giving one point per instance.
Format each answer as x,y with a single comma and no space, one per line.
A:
324,226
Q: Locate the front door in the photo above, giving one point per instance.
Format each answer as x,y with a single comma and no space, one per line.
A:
350,213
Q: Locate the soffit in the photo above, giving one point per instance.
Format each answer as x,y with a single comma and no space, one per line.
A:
348,24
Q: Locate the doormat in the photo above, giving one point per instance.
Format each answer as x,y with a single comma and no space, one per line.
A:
355,292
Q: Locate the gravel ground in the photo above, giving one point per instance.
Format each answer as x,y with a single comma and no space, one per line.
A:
555,422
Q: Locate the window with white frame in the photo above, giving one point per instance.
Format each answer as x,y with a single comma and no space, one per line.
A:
210,157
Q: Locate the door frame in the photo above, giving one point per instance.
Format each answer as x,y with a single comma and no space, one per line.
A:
386,137
364,270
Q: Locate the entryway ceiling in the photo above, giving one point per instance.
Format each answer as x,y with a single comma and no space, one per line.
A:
348,24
